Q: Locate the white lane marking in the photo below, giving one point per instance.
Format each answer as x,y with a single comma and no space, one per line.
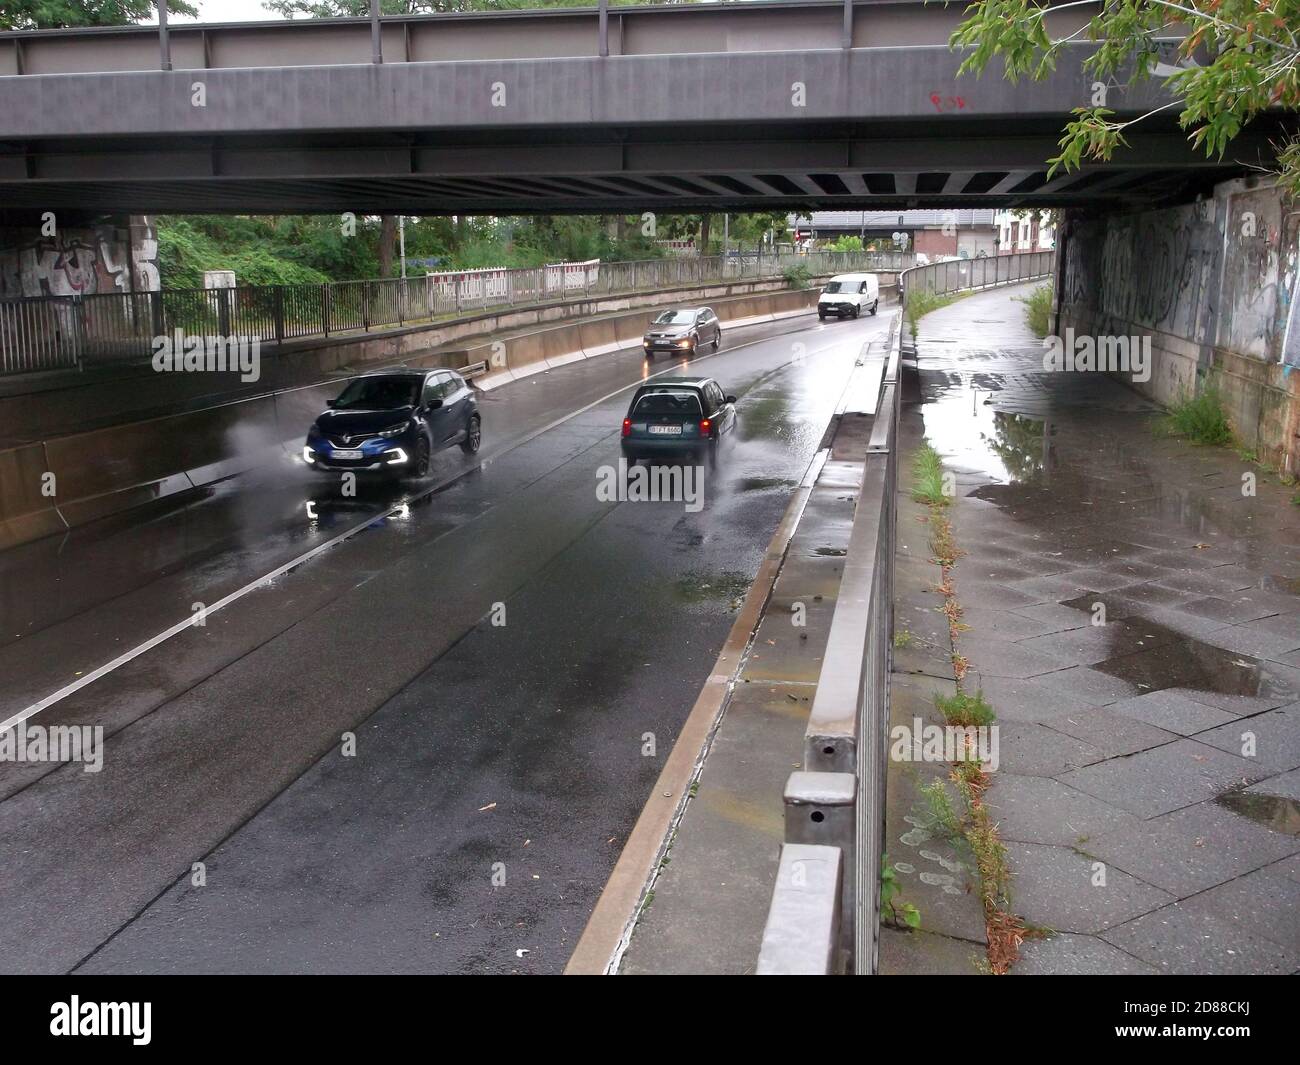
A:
239,593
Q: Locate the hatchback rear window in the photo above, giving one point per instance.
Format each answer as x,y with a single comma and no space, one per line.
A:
684,403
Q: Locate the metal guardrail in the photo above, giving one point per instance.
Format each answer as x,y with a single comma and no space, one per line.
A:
838,799
957,275
960,275
72,332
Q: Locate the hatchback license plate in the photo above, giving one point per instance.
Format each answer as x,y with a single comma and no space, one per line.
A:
341,454
666,430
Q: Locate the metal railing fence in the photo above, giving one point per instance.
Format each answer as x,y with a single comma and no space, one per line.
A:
73,332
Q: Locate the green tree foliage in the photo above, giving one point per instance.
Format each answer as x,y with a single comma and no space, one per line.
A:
845,243
1237,59
293,249
59,14
261,251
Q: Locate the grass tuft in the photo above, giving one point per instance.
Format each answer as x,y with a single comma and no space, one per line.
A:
919,304
927,476
964,709
1038,309
1200,419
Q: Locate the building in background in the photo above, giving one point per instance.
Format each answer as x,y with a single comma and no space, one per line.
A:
1025,230
940,234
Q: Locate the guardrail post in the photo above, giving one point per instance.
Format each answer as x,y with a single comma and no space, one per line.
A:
820,811
604,28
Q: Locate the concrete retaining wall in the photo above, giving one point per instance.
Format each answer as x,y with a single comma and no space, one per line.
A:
1214,286
109,470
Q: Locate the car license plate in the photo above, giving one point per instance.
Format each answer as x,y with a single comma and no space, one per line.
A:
339,453
666,430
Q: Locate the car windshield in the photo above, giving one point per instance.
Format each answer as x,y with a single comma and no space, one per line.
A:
834,286
379,393
684,403
675,318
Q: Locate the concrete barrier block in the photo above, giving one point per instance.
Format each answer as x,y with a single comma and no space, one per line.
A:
526,354
25,513
599,337
232,439
563,345
114,469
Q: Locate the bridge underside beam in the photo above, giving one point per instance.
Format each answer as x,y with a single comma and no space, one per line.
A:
683,169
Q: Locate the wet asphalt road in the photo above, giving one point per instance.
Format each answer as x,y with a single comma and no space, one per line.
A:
497,767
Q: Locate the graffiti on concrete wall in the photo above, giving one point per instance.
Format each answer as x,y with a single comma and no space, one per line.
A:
1219,272
1254,290
80,262
1155,270
144,255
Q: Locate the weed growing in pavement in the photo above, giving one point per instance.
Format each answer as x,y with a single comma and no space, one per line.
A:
941,809
973,825
942,545
965,709
1038,309
903,639
927,476
1200,419
904,914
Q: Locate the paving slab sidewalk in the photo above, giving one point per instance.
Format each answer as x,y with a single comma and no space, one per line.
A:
1135,623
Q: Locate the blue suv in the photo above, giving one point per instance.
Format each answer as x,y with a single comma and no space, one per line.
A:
392,422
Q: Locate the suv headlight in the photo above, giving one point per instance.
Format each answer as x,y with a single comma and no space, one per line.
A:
392,431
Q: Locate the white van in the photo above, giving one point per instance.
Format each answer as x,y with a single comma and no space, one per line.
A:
849,295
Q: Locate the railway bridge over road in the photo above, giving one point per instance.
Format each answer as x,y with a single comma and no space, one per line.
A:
767,105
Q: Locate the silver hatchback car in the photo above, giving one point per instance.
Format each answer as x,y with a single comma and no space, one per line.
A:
686,329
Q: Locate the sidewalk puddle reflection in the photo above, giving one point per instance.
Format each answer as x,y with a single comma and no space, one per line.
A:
1272,811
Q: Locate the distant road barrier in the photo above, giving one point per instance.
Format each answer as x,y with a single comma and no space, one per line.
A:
963,275
75,332
825,914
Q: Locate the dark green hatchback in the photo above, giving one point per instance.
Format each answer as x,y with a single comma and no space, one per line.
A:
677,416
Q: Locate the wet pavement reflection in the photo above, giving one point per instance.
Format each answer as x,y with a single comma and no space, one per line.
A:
1135,622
